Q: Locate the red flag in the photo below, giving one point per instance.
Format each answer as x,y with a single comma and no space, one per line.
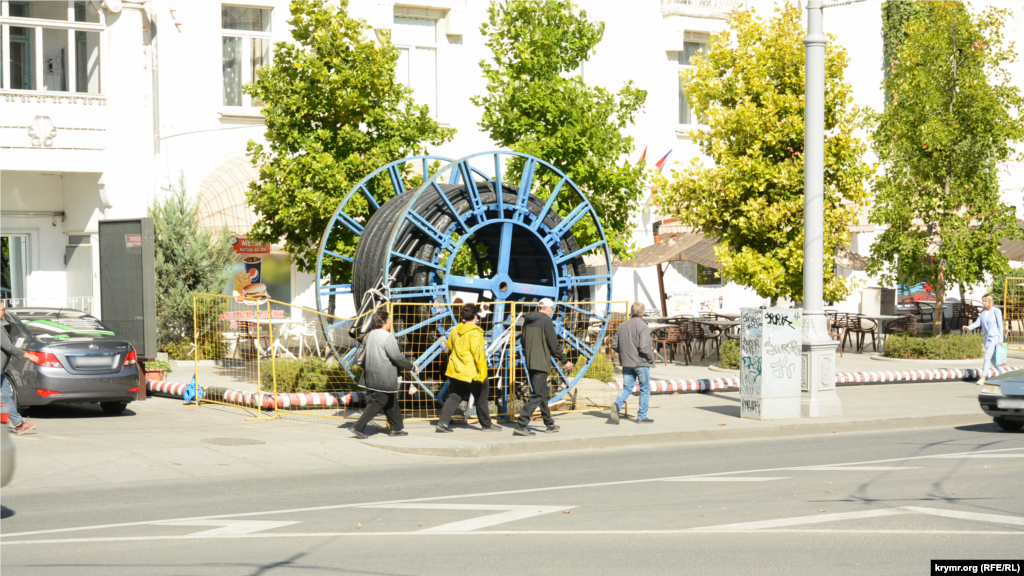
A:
644,155
661,163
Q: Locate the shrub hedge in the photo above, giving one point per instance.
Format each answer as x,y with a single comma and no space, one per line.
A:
306,375
601,369
730,353
927,347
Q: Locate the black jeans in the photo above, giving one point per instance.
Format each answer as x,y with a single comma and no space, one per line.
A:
386,401
459,391
538,397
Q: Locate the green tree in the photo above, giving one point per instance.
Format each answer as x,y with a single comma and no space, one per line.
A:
189,259
334,113
537,103
951,120
749,87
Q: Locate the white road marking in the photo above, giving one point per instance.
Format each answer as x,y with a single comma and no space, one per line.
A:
730,479
509,513
799,520
459,496
862,468
981,456
228,527
1017,521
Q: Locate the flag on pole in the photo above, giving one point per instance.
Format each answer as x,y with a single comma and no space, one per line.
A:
644,155
661,163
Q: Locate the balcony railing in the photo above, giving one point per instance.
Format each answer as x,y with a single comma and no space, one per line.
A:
726,5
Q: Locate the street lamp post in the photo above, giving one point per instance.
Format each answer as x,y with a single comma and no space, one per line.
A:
818,395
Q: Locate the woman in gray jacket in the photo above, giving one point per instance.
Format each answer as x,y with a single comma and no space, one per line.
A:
380,377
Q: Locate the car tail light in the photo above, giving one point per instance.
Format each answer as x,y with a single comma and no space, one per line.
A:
45,393
131,359
3,416
136,389
46,359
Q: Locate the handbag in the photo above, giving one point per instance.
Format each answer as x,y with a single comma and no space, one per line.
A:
1001,351
359,358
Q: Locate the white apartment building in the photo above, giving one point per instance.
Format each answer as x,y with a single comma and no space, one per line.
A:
103,104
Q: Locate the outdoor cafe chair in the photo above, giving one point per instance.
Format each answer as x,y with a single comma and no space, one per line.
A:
668,339
247,332
923,309
704,334
834,320
903,325
861,326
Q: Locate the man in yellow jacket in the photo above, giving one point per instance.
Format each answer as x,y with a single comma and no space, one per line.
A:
467,370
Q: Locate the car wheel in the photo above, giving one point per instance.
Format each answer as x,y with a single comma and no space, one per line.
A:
113,407
1011,425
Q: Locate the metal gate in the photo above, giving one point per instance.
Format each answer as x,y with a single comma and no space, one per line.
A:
1013,313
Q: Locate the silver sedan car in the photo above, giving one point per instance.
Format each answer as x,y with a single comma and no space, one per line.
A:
80,360
1002,398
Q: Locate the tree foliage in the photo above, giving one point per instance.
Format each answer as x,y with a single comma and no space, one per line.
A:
189,259
538,103
749,87
950,124
334,113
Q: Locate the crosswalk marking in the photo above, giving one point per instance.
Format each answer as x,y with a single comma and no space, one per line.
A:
858,468
508,513
729,479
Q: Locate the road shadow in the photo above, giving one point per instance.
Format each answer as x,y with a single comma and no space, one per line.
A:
5,512
990,428
733,411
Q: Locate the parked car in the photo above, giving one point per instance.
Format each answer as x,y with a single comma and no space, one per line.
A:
6,449
80,360
1002,398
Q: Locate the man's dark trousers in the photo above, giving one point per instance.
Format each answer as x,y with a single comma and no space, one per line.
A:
538,397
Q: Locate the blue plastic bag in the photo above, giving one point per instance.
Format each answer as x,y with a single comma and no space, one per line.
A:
1001,354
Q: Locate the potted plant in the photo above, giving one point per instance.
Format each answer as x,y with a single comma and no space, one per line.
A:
155,369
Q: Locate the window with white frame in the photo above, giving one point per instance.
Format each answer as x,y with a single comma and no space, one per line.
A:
416,40
245,48
51,46
693,43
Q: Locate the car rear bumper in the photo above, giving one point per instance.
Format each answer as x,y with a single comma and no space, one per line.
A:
990,406
122,386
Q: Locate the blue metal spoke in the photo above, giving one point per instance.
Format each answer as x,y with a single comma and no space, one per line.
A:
335,289
547,206
467,283
451,208
417,260
369,197
426,169
571,281
332,327
396,179
498,192
565,225
428,229
471,187
575,342
526,185
499,320
417,292
582,311
505,248
350,223
339,256
579,252
430,320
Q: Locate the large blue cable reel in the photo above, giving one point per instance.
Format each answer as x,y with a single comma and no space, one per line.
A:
521,240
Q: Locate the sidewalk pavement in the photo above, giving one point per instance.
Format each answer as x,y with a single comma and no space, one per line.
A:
166,441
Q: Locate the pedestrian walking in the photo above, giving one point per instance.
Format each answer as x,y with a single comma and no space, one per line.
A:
380,376
991,322
467,371
9,349
632,341
539,345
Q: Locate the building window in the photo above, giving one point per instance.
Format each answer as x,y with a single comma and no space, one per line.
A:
708,276
693,43
416,40
60,57
245,48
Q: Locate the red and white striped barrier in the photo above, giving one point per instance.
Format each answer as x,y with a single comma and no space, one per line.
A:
266,400
887,377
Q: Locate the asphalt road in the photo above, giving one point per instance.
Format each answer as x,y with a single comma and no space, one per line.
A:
870,503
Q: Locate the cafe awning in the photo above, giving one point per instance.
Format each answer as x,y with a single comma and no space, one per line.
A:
222,197
691,246
852,260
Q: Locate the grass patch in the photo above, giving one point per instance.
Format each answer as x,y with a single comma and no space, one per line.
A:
926,347
730,353
600,369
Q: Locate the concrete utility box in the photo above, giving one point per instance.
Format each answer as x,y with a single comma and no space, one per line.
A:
770,363
875,301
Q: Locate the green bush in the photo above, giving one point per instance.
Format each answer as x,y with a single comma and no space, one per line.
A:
306,375
600,369
177,349
154,365
730,353
926,347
